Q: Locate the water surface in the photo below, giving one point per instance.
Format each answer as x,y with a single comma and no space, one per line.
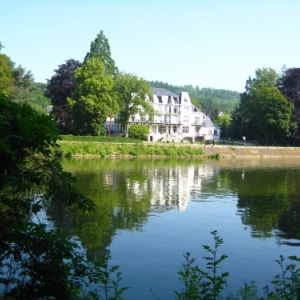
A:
150,212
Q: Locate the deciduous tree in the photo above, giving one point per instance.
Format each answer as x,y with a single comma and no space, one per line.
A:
93,100
132,92
263,112
6,76
33,258
60,87
289,85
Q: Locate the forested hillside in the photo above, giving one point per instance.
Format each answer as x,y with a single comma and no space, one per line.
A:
36,98
208,99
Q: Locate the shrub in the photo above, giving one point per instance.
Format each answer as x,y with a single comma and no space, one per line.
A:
138,132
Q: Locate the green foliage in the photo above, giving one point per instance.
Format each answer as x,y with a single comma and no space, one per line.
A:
264,113
93,98
18,85
207,99
224,122
131,92
133,149
107,278
100,49
200,284
287,284
38,262
6,77
209,284
101,139
138,132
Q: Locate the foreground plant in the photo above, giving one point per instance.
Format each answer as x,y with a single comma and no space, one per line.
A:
37,261
199,284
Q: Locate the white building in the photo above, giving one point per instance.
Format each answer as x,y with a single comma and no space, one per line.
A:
176,119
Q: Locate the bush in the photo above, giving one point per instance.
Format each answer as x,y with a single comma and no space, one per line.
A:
138,132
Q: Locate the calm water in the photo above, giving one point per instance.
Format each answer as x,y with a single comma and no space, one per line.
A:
151,212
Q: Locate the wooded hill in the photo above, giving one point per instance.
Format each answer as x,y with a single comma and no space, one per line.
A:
207,99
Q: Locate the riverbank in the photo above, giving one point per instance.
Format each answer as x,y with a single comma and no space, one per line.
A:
82,149
252,151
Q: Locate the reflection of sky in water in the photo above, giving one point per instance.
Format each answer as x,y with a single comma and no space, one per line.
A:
187,202
152,258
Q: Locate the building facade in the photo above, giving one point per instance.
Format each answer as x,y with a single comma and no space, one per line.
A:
176,119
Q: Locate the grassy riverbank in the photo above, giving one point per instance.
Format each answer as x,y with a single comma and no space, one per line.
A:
69,149
108,148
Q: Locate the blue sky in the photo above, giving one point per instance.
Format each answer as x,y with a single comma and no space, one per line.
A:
209,43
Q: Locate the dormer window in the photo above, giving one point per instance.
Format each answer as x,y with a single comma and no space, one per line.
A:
159,99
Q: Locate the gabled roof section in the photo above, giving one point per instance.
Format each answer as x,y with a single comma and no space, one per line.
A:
210,123
164,92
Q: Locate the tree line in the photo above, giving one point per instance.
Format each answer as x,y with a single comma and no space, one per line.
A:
210,101
19,86
84,94
269,109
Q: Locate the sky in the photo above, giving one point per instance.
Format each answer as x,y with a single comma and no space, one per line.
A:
207,43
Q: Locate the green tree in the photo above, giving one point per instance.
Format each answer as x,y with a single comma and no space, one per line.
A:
224,122
215,114
18,84
266,75
263,112
36,98
30,179
6,76
131,93
93,100
60,87
100,49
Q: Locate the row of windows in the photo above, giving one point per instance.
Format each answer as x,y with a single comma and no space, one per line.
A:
175,99
166,118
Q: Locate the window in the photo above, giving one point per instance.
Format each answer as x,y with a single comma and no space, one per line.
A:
197,120
132,118
159,99
175,110
174,129
170,109
215,132
185,129
185,118
175,100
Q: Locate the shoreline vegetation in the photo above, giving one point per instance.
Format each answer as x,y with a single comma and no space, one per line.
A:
88,146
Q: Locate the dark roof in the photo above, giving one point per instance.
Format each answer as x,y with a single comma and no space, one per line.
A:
163,92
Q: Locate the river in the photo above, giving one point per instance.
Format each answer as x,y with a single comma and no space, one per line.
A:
152,211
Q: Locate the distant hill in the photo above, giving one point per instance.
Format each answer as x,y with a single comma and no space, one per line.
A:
208,99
